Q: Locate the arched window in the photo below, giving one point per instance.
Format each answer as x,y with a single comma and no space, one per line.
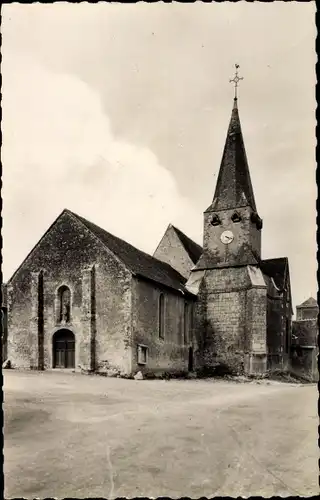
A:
215,221
161,316
64,301
236,217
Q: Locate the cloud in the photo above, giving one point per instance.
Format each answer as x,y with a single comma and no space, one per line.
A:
59,152
163,82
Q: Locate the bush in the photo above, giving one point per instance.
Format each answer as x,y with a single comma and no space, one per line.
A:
221,369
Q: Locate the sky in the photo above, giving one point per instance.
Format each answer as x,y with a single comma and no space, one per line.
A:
119,112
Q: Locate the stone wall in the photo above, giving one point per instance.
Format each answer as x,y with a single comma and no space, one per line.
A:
305,332
305,313
256,330
235,321
304,362
304,349
171,251
169,354
247,238
100,302
4,321
114,326
4,331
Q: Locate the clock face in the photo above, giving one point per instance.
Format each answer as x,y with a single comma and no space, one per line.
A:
226,237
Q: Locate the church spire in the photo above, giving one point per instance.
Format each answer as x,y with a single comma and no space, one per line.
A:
234,188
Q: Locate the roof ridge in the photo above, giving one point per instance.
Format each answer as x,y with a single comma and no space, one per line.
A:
310,302
35,246
110,234
137,262
134,265
83,221
193,249
186,236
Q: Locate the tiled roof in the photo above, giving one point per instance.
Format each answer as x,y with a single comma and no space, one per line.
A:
310,302
193,249
276,269
138,262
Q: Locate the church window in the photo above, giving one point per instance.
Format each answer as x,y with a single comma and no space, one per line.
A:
64,298
142,354
215,221
236,217
161,316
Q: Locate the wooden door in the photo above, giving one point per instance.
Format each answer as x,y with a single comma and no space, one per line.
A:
64,349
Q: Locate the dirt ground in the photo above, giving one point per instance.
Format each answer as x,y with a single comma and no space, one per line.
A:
72,435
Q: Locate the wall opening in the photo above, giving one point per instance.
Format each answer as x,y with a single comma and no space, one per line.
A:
215,221
236,217
63,349
142,354
64,301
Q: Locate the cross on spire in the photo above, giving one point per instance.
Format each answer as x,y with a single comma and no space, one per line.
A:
234,187
236,80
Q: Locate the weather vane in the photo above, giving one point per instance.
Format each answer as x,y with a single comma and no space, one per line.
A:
236,80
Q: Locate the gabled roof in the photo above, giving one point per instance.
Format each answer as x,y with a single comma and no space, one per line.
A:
234,188
138,262
310,302
276,269
193,249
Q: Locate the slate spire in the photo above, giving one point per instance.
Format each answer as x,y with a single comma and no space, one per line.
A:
234,188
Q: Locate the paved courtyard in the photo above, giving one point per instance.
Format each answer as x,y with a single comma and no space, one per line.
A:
71,435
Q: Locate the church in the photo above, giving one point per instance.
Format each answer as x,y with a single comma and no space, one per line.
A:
83,299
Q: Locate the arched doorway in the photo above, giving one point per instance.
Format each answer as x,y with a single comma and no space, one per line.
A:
63,349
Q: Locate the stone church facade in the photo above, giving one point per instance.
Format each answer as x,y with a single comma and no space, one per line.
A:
85,299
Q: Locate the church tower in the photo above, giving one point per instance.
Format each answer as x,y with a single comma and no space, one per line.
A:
231,314
232,226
